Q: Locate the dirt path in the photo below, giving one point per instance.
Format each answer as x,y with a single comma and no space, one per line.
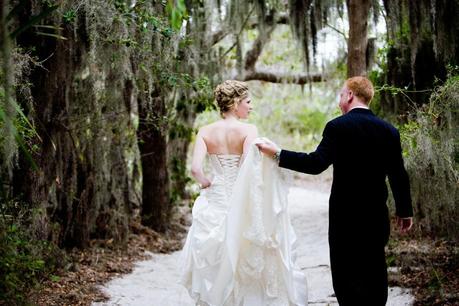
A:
154,282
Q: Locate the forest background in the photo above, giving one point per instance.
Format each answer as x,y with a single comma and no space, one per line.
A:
100,101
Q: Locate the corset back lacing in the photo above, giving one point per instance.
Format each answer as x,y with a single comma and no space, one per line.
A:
230,166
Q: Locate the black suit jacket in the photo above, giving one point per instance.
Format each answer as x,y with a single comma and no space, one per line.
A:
364,150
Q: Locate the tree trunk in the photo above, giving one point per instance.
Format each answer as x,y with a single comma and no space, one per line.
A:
156,202
358,11
9,146
84,105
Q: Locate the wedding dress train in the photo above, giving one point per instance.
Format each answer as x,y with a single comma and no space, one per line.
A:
239,249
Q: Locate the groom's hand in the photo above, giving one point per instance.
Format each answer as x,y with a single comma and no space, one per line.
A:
404,224
269,148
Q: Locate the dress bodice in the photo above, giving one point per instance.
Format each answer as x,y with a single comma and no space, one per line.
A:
225,168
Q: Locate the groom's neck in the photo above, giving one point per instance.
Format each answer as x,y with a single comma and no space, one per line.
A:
357,104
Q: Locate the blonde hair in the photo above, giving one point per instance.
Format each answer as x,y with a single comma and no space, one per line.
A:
361,87
229,93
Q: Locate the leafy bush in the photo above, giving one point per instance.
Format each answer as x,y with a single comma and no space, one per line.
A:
431,152
24,260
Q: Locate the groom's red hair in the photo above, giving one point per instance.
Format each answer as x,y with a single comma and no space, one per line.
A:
361,87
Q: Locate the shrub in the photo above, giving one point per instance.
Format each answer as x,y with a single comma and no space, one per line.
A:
24,260
431,153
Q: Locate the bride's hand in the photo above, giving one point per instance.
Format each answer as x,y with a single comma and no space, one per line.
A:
205,184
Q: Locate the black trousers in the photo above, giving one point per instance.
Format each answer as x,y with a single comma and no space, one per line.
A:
359,274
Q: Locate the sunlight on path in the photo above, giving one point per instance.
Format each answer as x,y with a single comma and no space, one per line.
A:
154,282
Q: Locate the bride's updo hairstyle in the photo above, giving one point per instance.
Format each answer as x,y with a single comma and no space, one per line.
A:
229,93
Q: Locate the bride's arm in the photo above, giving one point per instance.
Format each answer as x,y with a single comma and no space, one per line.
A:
199,153
251,135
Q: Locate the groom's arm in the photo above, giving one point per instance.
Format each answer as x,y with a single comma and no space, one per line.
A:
315,162
399,181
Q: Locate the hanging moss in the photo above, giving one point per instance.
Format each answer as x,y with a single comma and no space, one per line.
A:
431,154
423,42
89,97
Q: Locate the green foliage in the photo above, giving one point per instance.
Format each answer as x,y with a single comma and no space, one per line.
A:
178,130
431,150
69,16
391,260
197,97
25,261
204,98
307,121
147,22
177,12
168,94
23,131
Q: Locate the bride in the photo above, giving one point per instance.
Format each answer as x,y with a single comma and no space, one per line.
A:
239,247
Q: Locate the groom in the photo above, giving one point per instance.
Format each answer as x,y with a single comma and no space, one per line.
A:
363,150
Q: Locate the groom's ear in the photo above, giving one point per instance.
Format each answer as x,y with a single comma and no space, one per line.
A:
350,96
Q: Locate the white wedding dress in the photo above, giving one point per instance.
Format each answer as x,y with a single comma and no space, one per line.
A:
239,249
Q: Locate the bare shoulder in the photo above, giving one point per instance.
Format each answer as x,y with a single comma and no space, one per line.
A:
249,128
205,130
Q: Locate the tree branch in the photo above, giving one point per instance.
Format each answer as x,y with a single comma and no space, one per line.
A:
239,34
222,33
253,54
337,30
269,20
299,79
217,36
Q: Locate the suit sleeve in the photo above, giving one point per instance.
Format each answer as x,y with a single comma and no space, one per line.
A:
399,181
315,162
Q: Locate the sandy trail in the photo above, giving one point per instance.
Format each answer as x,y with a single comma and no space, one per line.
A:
154,281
